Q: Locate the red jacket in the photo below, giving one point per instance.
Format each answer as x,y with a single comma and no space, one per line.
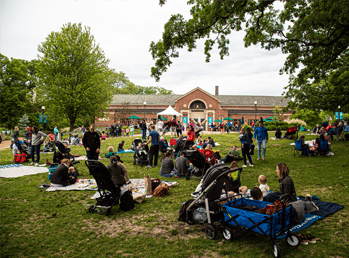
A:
190,135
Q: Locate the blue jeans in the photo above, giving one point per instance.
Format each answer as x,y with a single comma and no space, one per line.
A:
92,155
264,145
144,134
35,149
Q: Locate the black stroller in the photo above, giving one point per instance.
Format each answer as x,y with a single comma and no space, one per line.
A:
182,145
140,157
199,162
24,148
110,194
62,152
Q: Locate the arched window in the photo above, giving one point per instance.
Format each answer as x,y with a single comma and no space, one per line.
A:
197,104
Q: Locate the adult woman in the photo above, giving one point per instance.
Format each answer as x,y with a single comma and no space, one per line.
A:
179,128
15,136
286,182
60,176
167,165
190,135
116,172
37,139
245,139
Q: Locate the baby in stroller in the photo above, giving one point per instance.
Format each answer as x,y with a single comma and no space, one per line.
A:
141,155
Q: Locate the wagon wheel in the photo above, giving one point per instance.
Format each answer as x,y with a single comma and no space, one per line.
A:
293,240
211,232
227,233
276,248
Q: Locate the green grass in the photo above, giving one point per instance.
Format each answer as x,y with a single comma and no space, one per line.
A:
36,223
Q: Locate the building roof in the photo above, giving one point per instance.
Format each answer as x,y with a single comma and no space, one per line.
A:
225,100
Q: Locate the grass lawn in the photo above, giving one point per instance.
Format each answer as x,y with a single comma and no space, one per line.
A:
36,223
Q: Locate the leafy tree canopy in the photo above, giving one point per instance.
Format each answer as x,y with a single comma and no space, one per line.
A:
16,81
314,34
74,77
122,85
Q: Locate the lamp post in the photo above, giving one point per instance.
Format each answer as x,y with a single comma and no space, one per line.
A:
43,114
339,112
255,112
144,103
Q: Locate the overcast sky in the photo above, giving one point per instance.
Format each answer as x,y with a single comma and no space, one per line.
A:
125,28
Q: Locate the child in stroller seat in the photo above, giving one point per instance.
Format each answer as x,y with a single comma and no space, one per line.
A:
231,186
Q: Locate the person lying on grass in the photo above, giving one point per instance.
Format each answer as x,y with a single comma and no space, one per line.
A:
60,176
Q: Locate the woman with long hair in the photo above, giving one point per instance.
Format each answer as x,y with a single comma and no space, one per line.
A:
245,139
37,139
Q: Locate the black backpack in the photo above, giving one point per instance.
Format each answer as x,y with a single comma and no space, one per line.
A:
182,210
126,201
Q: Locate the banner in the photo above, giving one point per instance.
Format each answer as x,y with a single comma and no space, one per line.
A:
210,120
337,115
185,120
340,115
40,118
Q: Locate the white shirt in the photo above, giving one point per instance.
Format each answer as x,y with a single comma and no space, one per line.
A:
160,124
264,188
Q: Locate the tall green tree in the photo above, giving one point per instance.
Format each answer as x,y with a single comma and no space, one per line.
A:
313,34
73,74
14,87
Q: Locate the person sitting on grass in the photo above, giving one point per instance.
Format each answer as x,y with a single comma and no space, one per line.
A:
233,187
60,177
278,133
110,152
121,146
182,165
117,175
304,147
262,180
286,182
233,155
167,165
209,154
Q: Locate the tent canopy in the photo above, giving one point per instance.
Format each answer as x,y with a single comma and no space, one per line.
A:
169,112
133,117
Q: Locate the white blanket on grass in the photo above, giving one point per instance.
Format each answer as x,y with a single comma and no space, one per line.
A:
13,172
83,184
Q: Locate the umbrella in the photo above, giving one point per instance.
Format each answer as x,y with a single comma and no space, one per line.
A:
268,119
217,120
133,117
164,118
228,118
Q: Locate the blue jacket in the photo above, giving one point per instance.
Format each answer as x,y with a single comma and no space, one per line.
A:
262,133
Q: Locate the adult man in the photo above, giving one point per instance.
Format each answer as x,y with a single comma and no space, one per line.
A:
233,155
55,132
143,127
262,138
181,165
154,138
173,126
92,143
160,125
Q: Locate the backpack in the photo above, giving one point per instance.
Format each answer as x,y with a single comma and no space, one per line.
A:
126,201
19,158
182,210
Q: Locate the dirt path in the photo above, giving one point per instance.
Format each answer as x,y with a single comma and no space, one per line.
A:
5,144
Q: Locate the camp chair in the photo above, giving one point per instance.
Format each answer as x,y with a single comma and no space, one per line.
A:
298,148
291,132
173,142
323,148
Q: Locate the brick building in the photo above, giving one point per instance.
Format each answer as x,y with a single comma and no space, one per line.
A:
197,104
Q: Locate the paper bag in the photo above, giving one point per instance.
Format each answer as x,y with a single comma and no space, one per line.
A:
147,184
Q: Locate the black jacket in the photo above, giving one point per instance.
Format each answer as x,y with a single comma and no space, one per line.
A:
143,126
91,140
287,187
60,175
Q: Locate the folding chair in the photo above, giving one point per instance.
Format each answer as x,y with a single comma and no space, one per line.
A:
292,131
298,148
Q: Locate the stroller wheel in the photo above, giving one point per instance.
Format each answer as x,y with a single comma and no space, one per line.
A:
107,212
134,162
187,176
190,221
92,209
227,233
276,248
293,240
211,232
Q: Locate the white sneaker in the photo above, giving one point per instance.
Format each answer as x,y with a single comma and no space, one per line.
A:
36,165
31,163
251,165
244,166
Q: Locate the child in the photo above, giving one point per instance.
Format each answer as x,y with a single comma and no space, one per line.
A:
122,132
15,148
121,146
110,153
72,173
233,186
103,137
262,180
127,131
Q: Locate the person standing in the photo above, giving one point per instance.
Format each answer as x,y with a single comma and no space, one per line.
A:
173,126
55,132
37,139
262,138
190,135
28,134
154,138
160,126
92,143
132,128
179,128
144,130
245,139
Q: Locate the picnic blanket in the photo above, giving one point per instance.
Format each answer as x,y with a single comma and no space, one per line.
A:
83,184
18,170
126,151
84,158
